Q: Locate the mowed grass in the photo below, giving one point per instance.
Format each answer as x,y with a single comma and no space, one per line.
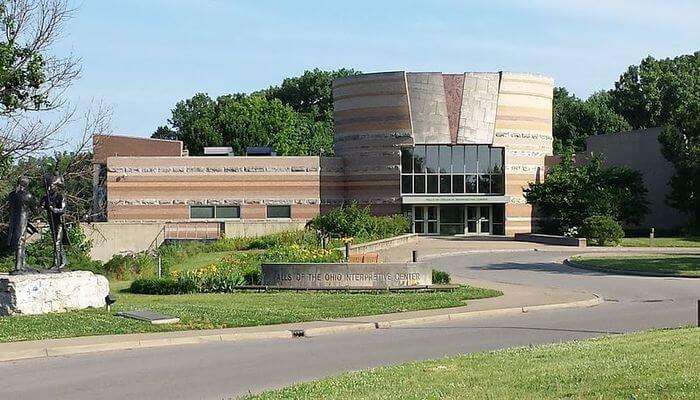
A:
200,260
227,310
648,365
691,241
671,264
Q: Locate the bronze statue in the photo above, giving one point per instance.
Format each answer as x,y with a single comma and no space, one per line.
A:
55,206
21,202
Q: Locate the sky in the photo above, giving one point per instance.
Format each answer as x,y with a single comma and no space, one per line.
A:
140,57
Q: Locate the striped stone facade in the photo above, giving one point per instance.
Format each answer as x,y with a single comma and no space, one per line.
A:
163,188
375,116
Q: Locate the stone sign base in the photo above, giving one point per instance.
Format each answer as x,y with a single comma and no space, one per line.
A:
347,276
44,293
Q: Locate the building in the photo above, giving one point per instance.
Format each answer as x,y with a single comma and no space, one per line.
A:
451,151
641,150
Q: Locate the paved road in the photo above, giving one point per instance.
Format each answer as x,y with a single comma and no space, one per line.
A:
222,370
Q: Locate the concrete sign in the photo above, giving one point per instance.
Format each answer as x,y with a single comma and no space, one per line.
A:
346,276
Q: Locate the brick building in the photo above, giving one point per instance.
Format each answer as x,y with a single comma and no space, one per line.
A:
452,151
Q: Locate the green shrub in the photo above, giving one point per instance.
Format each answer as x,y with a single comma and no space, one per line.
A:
602,230
440,277
359,223
162,286
128,266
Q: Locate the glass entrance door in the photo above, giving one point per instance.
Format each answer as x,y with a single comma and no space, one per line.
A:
426,220
479,220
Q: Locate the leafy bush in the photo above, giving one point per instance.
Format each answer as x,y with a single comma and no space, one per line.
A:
359,223
571,193
440,277
162,286
602,230
299,254
127,266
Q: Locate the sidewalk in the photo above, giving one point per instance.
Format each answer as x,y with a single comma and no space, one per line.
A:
516,299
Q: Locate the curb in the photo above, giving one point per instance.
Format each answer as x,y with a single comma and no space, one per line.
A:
54,351
625,272
649,250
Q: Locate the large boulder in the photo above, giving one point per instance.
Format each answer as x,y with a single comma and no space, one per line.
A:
51,292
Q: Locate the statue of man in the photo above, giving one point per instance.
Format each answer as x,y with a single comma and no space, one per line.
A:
55,206
21,202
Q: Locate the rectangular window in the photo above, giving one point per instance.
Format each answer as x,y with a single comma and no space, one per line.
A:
200,212
230,212
445,159
471,184
496,160
432,183
458,183
445,184
470,159
497,184
483,157
484,184
279,212
419,184
432,159
406,160
419,159
406,183
457,159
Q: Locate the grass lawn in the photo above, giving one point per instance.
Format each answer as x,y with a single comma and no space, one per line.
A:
647,365
200,260
672,264
690,241
226,310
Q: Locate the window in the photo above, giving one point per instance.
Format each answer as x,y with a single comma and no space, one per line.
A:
198,212
452,169
279,211
228,212
211,212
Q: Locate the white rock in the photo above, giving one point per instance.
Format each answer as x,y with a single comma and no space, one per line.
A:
45,293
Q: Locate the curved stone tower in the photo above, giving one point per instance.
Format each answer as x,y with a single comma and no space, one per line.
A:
378,114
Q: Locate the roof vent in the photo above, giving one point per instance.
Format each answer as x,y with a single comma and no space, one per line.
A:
218,151
260,151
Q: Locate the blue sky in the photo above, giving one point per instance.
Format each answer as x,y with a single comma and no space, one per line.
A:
142,56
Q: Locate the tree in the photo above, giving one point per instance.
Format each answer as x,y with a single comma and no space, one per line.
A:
574,120
667,93
32,79
164,132
572,193
310,93
300,120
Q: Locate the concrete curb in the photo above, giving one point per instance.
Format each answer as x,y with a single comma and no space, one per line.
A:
625,272
650,250
130,344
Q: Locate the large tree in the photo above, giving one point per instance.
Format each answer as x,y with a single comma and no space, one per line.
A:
32,77
296,117
666,93
574,119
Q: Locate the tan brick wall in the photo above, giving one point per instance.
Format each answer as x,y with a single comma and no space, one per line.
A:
163,188
524,127
112,145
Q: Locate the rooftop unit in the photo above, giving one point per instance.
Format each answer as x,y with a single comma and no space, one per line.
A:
260,151
218,151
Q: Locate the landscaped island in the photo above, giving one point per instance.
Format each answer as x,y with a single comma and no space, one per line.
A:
649,365
681,265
